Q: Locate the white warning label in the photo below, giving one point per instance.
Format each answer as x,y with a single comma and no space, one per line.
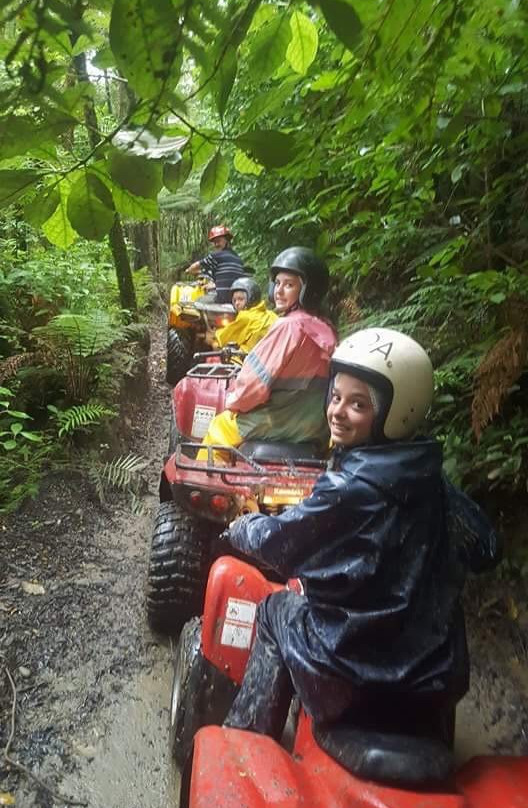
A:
201,419
238,624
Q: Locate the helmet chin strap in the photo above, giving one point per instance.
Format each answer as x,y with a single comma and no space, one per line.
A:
295,306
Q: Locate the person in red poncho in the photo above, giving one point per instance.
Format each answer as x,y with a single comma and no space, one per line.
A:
279,394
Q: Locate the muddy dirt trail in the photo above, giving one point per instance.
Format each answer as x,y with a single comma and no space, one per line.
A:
93,683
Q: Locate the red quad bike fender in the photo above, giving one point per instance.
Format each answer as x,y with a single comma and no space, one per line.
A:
196,399
235,769
228,630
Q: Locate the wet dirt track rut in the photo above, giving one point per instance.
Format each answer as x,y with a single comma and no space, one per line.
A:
93,683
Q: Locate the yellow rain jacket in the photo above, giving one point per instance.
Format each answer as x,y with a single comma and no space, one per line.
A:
249,326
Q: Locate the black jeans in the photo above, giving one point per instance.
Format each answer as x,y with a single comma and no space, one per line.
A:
263,700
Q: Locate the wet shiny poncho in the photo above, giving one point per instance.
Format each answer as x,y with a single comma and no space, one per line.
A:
382,547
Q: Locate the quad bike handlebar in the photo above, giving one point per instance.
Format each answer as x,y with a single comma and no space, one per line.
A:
225,354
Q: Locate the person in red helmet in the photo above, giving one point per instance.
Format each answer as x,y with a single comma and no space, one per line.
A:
223,265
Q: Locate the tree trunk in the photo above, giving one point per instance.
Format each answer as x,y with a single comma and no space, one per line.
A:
127,293
125,282
145,237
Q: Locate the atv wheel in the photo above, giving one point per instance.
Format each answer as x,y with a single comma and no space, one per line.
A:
187,658
201,694
179,355
177,569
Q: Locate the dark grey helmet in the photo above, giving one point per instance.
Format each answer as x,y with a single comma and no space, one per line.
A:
312,270
250,287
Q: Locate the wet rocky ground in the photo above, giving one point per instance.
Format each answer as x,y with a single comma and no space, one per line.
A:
89,685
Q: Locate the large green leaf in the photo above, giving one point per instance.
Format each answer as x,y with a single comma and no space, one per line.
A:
42,207
263,103
272,149
203,146
90,207
103,58
175,174
343,20
19,134
269,46
224,78
303,45
130,206
143,38
245,165
214,178
58,229
15,183
134,207
138,175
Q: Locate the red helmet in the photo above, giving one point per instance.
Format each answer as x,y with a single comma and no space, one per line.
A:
219,230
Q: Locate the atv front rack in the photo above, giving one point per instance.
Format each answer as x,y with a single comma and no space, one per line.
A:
256,470
214,370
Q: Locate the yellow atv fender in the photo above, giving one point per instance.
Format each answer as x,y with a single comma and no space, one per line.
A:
182,313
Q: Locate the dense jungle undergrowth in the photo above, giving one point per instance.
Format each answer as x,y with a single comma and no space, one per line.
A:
391,135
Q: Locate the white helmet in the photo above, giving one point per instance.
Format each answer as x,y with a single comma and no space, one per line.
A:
400,372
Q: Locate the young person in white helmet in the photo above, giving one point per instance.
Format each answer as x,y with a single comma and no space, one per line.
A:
373,629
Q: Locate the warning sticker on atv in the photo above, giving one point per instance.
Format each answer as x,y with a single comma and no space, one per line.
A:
201,419
238,625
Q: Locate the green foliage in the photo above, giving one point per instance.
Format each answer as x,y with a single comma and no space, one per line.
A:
81,417
14,432
78,345
23,453
122,473
214,178
81,335
500,460
142,39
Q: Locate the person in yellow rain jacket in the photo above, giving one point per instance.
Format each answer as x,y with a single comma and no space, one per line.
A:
253,319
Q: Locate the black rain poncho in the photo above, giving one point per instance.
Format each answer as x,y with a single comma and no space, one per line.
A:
382,547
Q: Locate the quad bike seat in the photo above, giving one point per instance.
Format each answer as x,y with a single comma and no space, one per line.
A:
268,452
387,757
405,745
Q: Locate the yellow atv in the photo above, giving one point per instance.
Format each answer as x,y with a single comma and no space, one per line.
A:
192,313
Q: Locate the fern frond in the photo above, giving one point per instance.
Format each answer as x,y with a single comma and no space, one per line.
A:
81,416
122,473
84,335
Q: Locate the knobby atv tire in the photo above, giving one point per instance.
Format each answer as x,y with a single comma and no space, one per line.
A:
179,355
201,694
177,570
188,659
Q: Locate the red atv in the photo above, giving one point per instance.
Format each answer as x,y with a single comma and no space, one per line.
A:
198,499
347,767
